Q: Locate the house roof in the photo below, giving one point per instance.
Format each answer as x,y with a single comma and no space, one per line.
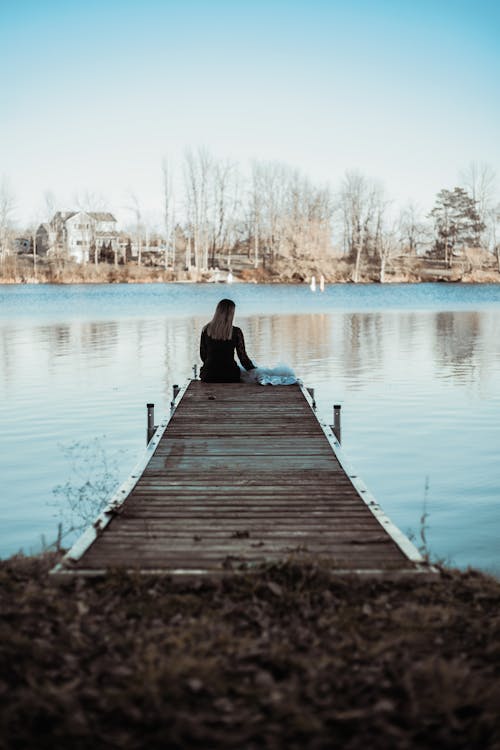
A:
101,215
97,215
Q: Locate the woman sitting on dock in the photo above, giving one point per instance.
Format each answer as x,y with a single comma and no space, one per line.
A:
219,339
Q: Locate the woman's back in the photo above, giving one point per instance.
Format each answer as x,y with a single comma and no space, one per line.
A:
218,357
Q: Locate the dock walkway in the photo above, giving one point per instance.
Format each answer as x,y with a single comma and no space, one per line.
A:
241,475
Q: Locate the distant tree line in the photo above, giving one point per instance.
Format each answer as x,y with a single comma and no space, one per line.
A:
212,212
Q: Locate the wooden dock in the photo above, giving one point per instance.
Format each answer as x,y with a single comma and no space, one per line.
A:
240,475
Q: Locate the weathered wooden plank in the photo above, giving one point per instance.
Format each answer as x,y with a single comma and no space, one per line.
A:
311,481
369,558
236,463
245,489
148,547
154,549
156,511
152,541
216,532
260,499
232,446
228,522
263,499
260,495
195,504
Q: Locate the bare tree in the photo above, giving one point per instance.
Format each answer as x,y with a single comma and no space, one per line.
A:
274,185
478,178
223,198
192,208
387,247
49,205
359,202
413,231
307,218
197,168
168,215
135,208
33,232
45,216
494,222
287,215
269,186
256,211
7,206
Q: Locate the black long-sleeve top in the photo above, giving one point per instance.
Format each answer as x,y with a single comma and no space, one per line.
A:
219,365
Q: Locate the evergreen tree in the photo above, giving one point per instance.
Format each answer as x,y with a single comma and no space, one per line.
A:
457,222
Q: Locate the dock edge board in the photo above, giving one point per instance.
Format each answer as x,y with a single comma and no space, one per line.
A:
91,533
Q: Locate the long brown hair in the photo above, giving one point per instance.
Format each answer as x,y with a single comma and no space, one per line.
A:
221,325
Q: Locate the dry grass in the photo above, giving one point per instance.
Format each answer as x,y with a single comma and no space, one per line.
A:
290,657
17,270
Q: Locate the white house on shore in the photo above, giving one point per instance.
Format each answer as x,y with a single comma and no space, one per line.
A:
78,235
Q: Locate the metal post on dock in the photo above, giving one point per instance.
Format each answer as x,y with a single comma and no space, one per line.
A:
195,372
175,391
336,429
151,422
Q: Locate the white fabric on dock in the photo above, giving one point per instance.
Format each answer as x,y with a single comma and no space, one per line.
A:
279,375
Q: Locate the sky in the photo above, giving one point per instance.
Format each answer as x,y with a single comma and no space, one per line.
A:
95,93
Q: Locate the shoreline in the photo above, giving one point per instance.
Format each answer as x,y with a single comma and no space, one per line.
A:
285,271
490,279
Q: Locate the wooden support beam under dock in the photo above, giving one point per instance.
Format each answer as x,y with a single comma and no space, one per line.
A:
241,475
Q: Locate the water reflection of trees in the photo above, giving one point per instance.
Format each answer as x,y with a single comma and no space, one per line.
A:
99,337
362,345
58,338
456,342
352,346
7,356
293,339
181,350
355,347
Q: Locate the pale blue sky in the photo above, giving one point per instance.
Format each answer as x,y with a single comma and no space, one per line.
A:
93,94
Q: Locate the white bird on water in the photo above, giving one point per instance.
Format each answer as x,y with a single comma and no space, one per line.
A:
321,283
313,283
229,279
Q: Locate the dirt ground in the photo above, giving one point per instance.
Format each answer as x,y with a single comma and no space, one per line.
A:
289,657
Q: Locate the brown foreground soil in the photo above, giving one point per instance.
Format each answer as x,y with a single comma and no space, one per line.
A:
289,657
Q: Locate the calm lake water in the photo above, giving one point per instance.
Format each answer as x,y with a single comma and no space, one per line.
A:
416,369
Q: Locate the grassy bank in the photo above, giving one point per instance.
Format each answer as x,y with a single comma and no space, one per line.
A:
297,270
290,657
